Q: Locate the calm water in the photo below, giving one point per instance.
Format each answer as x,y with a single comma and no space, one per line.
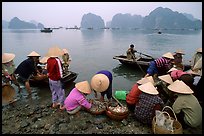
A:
93,50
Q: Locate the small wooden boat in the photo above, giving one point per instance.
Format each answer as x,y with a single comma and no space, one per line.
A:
46,30
142,62
43,79
138,62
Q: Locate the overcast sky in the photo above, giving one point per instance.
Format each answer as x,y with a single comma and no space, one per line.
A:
69,14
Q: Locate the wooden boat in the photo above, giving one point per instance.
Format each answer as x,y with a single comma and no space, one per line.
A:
138,62
43,79
46,30
142,61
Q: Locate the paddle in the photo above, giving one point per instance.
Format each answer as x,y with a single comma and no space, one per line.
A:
145,55
118,101
134,59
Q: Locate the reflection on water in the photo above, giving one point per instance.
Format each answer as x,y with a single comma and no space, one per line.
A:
92,34
127,72
21,31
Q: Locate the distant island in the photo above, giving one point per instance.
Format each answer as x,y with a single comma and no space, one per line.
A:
159,18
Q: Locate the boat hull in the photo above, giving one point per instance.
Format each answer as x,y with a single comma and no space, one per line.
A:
43,79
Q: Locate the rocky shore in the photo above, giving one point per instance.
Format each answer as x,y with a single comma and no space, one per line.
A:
34,115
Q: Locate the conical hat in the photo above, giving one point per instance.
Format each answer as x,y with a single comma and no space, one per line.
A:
8,93
180,51
54,52
83,87
44,60
65,51
7,57
100,82
195,72
166,78
168,55
145,80
180,87
199,50
33,54
172,69
148,88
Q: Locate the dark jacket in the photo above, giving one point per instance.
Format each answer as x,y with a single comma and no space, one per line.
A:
26,68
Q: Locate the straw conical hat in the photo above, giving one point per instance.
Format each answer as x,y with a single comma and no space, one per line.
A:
65,51
166,78
195,72
100,82
180,51
33,54
145,80
172,69
6,57
148,88
199,50
44,60
8,93
180,87
83,87
54,52
168,55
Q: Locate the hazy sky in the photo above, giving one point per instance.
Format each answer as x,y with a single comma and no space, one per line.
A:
69,14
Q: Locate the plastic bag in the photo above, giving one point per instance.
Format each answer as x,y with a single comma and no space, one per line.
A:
164,121
168,124
160,118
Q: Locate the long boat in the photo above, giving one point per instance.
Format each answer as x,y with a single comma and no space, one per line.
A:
142,61
43,79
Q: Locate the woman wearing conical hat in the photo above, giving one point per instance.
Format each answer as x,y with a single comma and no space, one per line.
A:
186,106
77,98
102,82
148,102
161,65
133,96
178,59
196,57
8,68
55,73
28,67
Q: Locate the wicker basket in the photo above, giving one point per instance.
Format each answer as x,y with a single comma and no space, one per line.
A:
116,117
160,130
117,113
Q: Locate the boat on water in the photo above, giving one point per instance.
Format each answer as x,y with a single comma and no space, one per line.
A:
42,80
46,30
142,61
139,61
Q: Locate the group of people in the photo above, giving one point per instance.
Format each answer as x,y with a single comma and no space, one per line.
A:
167,84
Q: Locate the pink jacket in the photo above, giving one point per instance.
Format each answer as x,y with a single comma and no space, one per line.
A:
75,99
176,74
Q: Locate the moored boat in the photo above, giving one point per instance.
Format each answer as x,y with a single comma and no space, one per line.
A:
46,30
43,79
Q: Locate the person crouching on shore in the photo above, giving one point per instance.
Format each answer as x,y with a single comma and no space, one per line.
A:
77,98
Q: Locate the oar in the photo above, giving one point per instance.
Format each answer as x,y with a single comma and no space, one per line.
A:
134,59
118,101
145,55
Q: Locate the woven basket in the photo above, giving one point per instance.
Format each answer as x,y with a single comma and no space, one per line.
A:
117,113
116,117
176,125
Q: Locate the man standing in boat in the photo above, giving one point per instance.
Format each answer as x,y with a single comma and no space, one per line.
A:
131,52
